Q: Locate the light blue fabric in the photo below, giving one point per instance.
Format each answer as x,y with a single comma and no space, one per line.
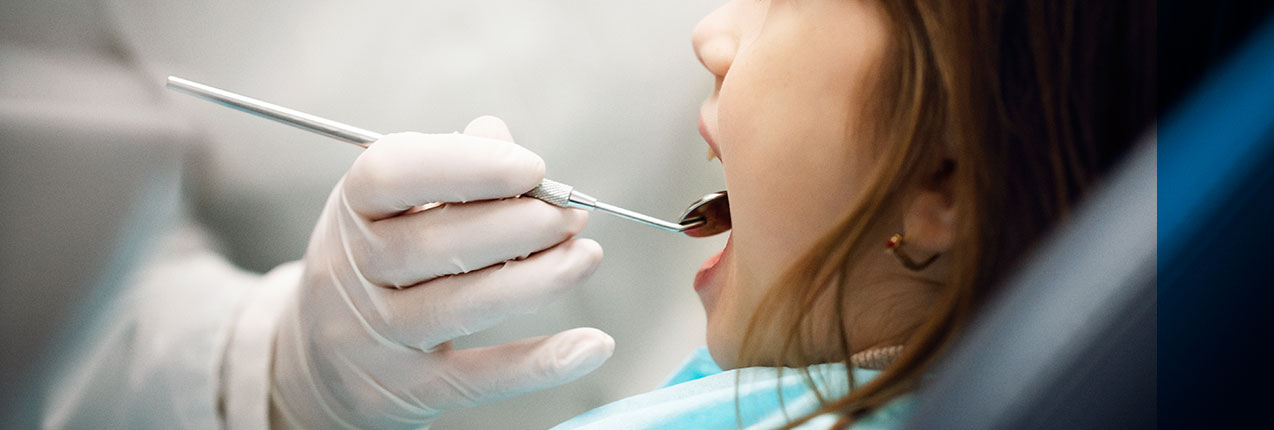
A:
700,395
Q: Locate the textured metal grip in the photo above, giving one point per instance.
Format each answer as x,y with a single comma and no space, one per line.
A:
551,192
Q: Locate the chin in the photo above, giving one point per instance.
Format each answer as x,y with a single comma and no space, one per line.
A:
723,349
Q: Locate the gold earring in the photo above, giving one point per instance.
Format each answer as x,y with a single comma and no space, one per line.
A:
894,247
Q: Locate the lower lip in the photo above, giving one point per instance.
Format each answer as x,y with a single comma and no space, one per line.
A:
707,274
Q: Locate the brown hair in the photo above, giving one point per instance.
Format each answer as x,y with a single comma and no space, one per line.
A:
1033,101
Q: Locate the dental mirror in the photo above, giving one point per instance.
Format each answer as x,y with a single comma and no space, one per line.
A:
708,216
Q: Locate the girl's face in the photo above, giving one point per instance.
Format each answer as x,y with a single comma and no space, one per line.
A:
791,79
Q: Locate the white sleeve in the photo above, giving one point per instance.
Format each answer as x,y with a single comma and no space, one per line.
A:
183,344
246,393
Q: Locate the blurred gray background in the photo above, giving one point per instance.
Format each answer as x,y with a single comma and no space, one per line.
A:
606,92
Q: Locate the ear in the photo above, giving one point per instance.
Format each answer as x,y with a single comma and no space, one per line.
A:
929,220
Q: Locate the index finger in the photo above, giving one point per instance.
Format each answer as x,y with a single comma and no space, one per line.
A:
403,170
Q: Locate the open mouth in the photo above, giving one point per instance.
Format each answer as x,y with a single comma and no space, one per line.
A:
706,277
718,216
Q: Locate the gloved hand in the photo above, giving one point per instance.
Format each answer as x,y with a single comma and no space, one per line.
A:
390,279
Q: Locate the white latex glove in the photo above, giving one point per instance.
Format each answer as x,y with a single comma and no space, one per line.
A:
390,280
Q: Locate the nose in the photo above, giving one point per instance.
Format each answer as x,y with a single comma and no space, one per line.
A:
716,40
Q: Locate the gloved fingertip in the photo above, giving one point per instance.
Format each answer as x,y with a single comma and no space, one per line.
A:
582,258
581,351
576,219
590,249
489,127
526,169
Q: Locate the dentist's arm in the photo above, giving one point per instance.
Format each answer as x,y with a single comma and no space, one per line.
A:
387,282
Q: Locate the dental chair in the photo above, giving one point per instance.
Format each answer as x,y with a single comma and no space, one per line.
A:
1072,341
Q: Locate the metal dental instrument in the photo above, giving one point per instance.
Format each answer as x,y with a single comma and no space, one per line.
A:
707,216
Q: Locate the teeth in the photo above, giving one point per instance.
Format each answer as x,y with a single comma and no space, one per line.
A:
712,155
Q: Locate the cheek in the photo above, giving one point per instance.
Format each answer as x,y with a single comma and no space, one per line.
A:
785,115
790,165
789,171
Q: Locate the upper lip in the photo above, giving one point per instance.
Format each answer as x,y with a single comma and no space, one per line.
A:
707,137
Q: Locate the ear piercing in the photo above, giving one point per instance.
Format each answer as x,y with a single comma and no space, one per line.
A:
894,247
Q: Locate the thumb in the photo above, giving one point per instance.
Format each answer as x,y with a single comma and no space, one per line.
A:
489,127
498,372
